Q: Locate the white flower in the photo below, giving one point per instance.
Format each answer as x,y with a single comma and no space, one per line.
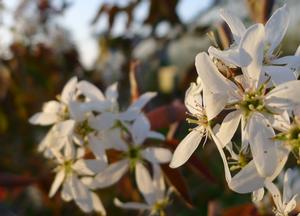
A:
153,191
287,202
253,107
260,44
197,111
57,111
69,172
134,153
108,107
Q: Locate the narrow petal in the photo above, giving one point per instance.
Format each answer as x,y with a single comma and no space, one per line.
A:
90,91
140,129
247,180
103,121
144,183
275,194
258,195
253,43
291,61
81,194
155,135
111,92
236,56
43,118
131,205
229,127
262,146
284,96
97,147
89,167
52,107
59,178
235,24
66,193
276,27
110,175
193,98
69,90
142,100
97,204
186,147
216,88
279,74
64,128
157,154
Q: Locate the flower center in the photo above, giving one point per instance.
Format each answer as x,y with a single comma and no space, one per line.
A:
83,128
134,155
252,101
68,166
292,139
159,206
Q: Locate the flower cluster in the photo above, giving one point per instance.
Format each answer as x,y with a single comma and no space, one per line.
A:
85,125
253,92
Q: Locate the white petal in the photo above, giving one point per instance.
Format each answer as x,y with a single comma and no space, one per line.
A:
258,195
287,192
284,96
291,61
253,43
66,193
229,127
222,154
111,92
69,90
144,183
155,135
59,178
43,118
81,194
262,146
90,91
215,86
142,100
280,122
276,27
112,139
235,24
52,107
279,74
245,134
236,56
131,205
140,129
129,114
291,205
89,166
193,98
186,147
282,156
158,182
104,121
76,112
97,148
275,194
247,180
64,128
157,154
110,175
97,204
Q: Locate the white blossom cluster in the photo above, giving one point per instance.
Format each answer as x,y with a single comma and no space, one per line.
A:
85,124
254,93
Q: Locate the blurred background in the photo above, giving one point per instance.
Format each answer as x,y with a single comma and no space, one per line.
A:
45,42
